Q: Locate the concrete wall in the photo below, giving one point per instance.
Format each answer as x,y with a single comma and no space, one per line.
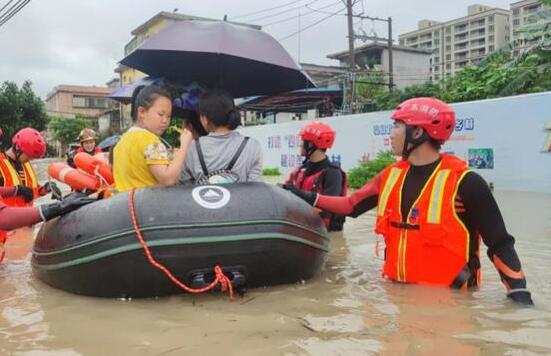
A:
62,103
409,68
515,132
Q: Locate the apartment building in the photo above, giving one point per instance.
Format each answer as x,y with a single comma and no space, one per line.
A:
459,42
522,15
70,100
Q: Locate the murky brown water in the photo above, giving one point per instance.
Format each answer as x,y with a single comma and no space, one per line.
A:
347,310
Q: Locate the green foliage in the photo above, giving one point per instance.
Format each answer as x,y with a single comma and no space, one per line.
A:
19,108
389,100
66,130
171,135
271,171
502,73
359,175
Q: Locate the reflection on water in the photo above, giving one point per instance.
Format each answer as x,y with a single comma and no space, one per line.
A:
347,310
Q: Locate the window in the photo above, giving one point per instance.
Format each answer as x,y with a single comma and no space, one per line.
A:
436,42
448,48
448,57
436,60
448,66
491,19
79,101
436,77
491,48
516,12
436,33
90,102
516,22
448,30
491,38
491,28
448,38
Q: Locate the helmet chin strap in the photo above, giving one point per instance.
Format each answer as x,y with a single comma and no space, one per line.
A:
410,143
17,152
309,148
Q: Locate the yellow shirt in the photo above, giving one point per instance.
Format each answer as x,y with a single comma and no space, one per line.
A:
136,150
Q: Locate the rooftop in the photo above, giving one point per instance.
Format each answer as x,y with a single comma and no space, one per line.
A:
181,17
459,19
373,46
80,89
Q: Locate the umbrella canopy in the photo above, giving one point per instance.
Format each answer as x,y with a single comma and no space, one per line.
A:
239,59
109,142
124,93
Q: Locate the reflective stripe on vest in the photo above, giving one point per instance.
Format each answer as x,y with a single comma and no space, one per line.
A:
388,186
11,178
432,244
9,174
436,196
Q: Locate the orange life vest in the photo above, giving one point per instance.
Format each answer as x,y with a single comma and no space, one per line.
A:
11,178
3,236
430,246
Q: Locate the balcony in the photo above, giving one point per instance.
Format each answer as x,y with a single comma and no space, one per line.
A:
461,38
478,34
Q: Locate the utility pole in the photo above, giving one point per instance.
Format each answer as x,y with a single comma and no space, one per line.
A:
389,45
390,59
299,29
351,54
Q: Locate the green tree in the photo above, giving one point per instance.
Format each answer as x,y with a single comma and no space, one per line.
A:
19,108
359,175
66,130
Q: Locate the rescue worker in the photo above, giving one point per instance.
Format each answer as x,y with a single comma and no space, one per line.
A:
431,210
15,217
16,169
87,138
317,173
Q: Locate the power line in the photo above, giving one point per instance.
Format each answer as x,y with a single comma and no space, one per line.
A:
301,15
20,5
10,9
282,12
311,25
319,9
3,7
265,10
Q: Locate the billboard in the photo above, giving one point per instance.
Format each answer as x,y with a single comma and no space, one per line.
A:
506,140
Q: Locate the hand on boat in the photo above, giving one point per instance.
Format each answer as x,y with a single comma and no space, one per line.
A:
70,203
25,192
309,197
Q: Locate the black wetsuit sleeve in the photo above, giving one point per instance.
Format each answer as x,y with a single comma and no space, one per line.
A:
483,214
332,182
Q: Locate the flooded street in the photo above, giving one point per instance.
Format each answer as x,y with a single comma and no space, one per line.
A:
347,310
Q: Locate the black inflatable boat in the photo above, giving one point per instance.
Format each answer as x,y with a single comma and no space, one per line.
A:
259,234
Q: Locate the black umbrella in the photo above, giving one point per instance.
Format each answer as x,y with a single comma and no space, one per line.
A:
109,142
239,59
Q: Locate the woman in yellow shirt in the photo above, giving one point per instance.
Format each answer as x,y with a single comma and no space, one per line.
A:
140,158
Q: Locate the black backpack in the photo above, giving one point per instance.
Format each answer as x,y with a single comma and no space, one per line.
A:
219,176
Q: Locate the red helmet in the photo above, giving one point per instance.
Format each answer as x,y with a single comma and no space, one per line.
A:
320,134
31,142
435,116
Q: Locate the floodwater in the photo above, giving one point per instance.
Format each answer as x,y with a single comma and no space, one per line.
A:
347,310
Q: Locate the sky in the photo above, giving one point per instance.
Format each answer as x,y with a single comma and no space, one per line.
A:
53,42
